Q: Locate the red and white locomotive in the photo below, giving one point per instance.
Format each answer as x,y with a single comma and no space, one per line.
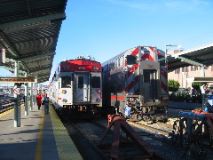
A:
136,77
77,84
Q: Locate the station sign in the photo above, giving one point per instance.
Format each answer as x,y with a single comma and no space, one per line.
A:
17,79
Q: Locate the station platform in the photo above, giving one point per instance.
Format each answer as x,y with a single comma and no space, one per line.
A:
40,137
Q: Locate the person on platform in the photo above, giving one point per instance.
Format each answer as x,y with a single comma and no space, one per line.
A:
127,110
46,104
204,91
39,100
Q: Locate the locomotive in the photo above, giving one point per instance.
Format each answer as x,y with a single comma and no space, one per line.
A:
138,79
77,85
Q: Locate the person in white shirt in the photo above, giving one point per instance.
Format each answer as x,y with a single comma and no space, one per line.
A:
203,90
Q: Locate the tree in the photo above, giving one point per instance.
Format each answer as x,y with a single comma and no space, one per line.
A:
173,85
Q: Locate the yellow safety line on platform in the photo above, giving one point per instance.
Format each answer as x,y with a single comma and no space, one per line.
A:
6,113
38,150
9,111
65,146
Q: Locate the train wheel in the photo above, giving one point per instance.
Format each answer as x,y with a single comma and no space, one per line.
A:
146,118
136,117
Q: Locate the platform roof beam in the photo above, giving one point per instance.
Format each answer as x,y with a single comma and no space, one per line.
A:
28,23
8,45
189,61
33,57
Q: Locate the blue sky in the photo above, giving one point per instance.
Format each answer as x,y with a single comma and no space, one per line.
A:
104,28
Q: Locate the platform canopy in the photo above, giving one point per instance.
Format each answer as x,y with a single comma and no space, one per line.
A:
197,56
29,31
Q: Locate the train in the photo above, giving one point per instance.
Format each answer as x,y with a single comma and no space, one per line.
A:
77,85
138,78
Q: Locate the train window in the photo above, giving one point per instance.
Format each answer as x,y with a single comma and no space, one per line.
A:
80,82
66,82
131,59
95,82
122,61
146,75
112,65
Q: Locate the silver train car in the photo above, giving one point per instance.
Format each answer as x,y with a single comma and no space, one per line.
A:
137,78
77,85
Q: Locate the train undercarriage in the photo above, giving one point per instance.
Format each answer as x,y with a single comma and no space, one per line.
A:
148,111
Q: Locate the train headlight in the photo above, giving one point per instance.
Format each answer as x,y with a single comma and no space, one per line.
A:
64,91
64,100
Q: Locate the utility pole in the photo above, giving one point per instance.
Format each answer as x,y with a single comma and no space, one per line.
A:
26,113
16,90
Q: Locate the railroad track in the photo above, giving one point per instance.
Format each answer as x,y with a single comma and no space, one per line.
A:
86,147
87,136
151,128
93,133
192,151
7,104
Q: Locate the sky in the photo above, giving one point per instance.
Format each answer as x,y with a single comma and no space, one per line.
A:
104,28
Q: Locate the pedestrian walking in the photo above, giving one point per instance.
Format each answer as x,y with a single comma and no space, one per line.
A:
46,104
203,90
39,100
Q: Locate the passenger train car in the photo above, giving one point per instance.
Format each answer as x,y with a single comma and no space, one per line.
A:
137,78
77,84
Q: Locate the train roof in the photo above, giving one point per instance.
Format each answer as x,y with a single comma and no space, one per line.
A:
80,64
159,52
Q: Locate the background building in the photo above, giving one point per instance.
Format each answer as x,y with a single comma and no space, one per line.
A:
185,75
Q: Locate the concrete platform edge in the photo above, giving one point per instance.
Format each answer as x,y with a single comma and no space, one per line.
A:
65,146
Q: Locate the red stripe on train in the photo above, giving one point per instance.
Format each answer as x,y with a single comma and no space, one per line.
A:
120,98
132,69
135,66
135,52
147,57
152,48
133,83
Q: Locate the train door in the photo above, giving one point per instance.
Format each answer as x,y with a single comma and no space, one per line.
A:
82,87
150,84
96,94
66,90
